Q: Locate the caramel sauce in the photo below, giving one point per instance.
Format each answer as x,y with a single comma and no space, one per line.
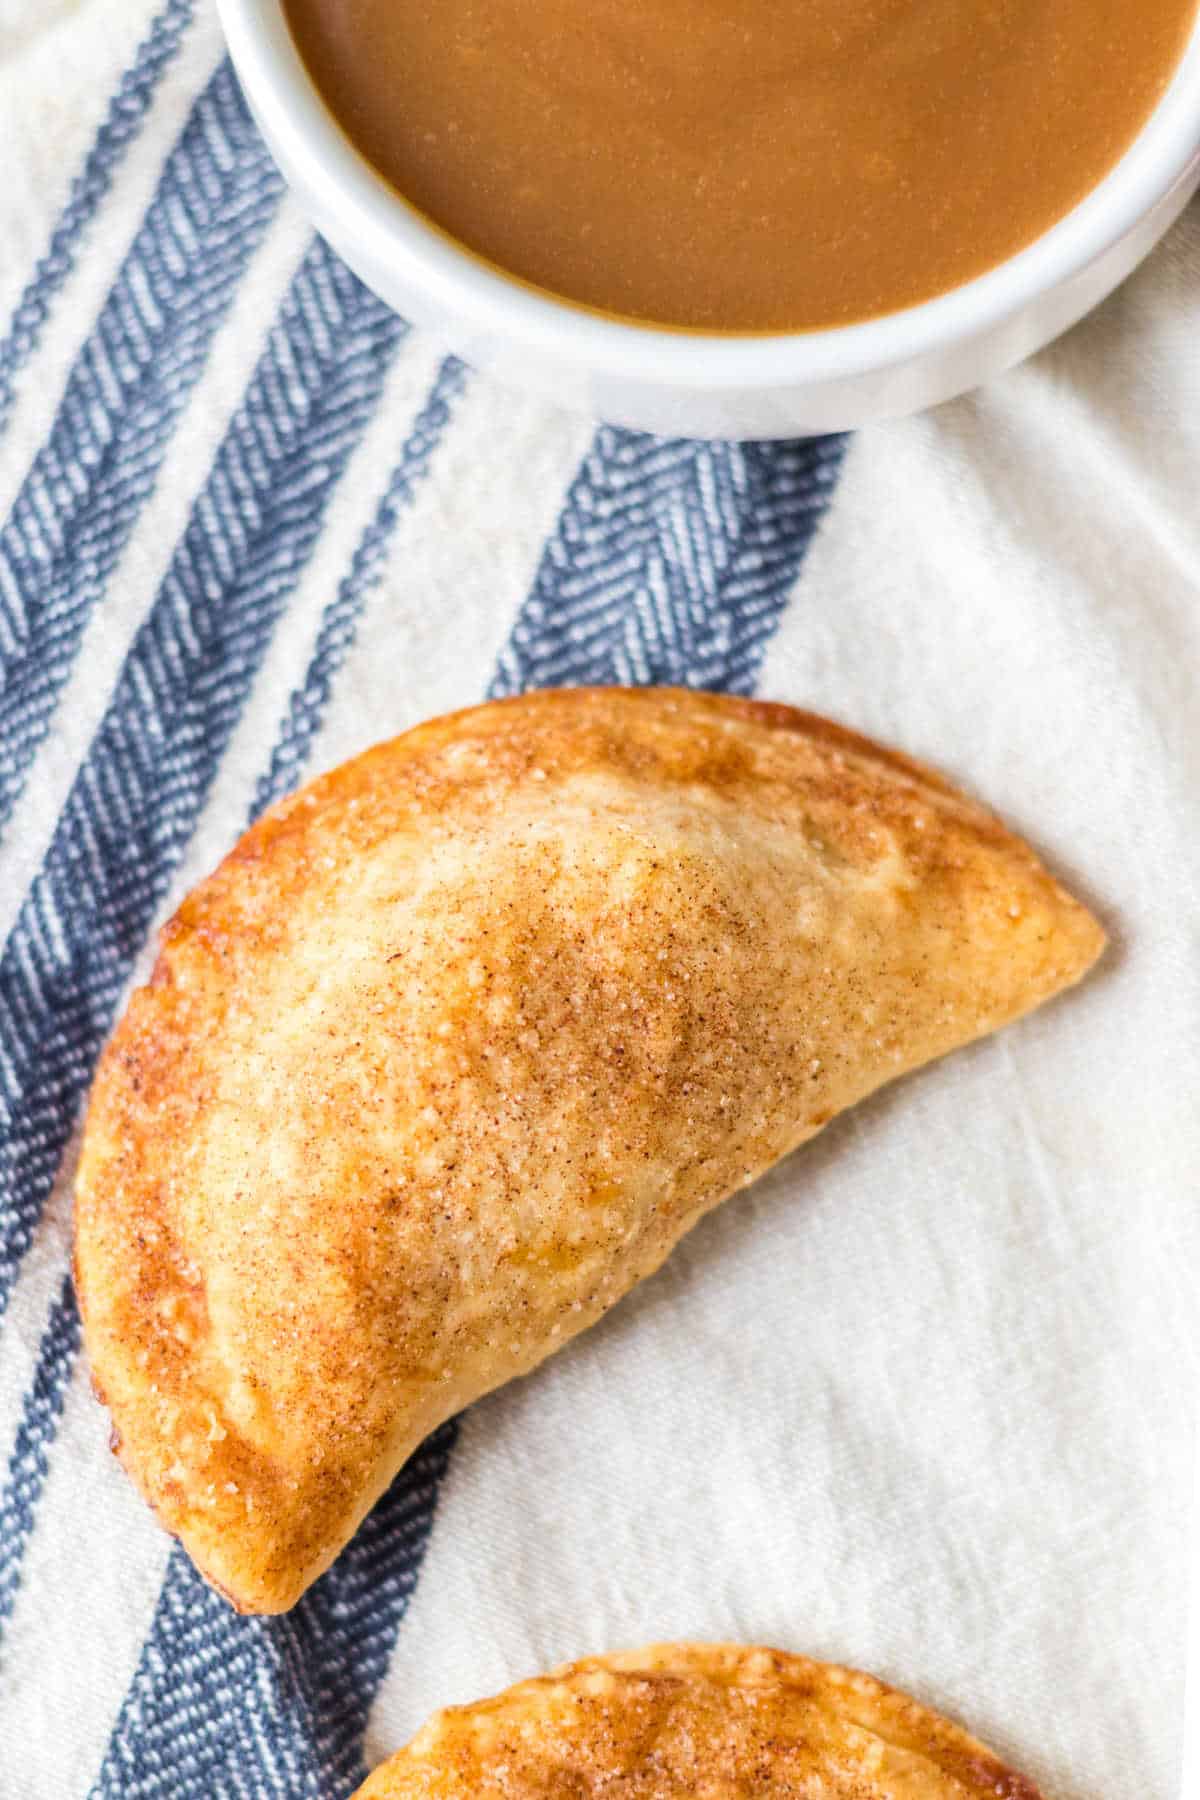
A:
742,165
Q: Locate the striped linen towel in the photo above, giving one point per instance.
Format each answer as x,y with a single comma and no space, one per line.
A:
922,1400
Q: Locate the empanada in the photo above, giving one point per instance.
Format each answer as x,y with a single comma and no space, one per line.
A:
461,1039
695,1722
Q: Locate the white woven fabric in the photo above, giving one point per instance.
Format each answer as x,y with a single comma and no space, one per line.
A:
923,1401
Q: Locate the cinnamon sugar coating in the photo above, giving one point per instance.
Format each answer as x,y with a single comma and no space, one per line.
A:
695,1722
460,1040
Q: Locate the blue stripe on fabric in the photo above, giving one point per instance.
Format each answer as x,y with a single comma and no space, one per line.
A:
39,1425
334,637
340,622
278,1707
82,497
671,562
222,1705
134,802
119,130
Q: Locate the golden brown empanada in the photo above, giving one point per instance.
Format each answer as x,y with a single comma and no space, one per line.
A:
695,1722
461,1039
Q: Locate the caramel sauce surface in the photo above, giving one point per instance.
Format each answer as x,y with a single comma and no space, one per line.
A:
743,165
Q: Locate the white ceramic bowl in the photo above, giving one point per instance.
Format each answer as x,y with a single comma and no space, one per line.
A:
692,384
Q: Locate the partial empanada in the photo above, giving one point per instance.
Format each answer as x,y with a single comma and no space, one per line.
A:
463,1037
701,1721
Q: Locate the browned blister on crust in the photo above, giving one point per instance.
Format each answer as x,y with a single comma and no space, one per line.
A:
462,1038
695,1722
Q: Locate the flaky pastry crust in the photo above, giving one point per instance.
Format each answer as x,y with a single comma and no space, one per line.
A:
462,1038
695,1722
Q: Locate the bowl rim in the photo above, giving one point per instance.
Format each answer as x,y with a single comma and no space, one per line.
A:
337,178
